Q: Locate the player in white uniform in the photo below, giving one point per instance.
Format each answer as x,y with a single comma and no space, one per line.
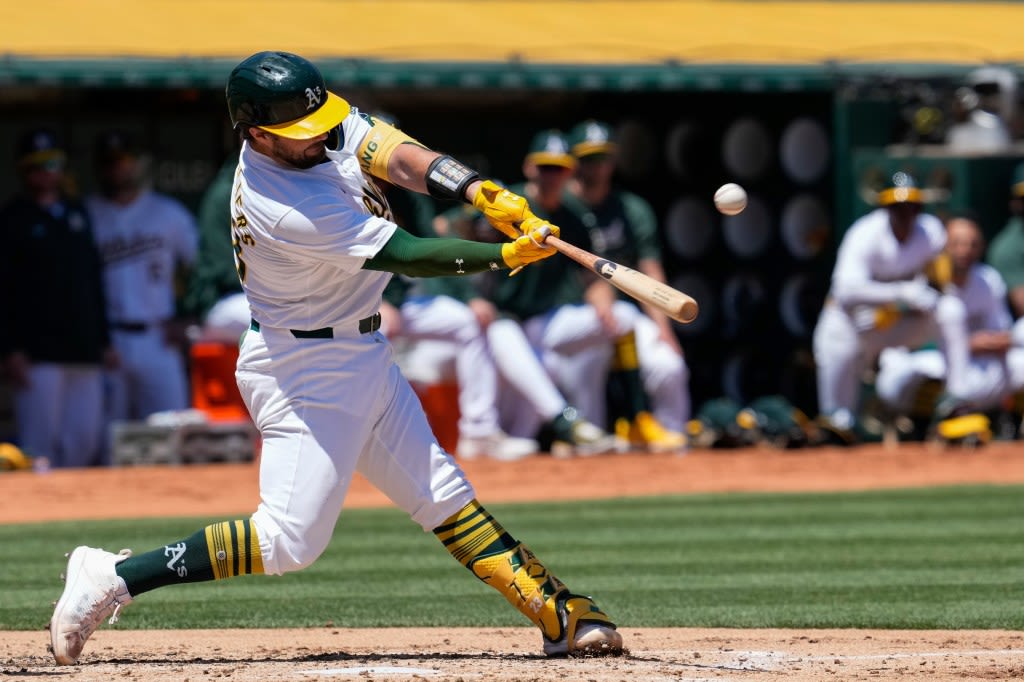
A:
314,251
146,239
980,345
583,333
880,297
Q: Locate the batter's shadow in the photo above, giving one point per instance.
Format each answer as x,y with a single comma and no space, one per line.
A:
332,657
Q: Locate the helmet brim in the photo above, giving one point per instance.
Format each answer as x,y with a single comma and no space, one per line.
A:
900,195
590,148
549,159
329,116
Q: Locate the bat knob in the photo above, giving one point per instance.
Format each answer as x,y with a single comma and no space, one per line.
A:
539,235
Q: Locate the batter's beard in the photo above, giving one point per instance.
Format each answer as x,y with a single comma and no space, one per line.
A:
311,156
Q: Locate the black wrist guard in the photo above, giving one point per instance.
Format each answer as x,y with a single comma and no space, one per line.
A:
448,179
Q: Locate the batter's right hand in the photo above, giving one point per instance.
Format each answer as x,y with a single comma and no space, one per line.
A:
530,247
506,211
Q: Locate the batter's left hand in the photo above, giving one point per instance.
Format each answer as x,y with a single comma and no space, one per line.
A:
506,211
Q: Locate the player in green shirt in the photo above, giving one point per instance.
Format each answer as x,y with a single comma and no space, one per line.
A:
623,228
582,330
1006,252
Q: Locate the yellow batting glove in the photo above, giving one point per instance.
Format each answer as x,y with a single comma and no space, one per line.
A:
504,210
530,247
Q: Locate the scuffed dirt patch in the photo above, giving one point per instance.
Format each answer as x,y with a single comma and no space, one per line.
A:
513,655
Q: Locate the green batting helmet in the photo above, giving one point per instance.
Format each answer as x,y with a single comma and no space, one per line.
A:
591,137
284,94
902,189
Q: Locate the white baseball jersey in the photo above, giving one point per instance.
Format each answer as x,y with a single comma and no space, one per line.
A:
870,258
141,243
305,235
327,406
984,296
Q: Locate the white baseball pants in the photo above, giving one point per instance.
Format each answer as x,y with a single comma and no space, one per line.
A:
842,353
326,408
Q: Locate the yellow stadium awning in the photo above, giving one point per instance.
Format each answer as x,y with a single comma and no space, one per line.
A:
538,31
626,44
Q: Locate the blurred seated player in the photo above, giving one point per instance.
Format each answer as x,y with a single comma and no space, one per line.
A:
529,402
428,316
980,342
575,320
880,297
623,228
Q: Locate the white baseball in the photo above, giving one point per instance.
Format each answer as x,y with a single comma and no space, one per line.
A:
730,199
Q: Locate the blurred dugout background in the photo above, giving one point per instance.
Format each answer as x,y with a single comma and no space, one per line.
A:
806,134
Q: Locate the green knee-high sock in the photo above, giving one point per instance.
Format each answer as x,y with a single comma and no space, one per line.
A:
221,550
624,376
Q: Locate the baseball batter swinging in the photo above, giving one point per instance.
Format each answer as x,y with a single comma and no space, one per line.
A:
314,248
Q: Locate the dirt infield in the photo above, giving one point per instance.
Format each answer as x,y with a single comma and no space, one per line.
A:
512,653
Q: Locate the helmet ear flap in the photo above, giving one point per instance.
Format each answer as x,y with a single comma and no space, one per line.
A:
333,141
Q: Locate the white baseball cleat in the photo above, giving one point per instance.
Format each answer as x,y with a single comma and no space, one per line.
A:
92,591
500,446
587,630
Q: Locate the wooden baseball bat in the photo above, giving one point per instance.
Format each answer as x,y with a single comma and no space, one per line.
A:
672,302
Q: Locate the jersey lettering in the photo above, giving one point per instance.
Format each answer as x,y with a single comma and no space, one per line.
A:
367,158
240,235
375,203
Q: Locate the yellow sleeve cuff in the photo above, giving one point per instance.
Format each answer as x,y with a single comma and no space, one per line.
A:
378,146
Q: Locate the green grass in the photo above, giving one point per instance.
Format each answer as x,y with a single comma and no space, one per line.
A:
946,558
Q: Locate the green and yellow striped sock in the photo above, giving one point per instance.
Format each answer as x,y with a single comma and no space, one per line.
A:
221,550
480,544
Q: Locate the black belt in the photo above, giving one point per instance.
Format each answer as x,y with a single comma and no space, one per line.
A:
366,325
135,327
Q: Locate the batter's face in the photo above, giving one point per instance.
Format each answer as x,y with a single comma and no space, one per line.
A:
44,177
964,243
552,179
596,168
902,218
294,153
120,174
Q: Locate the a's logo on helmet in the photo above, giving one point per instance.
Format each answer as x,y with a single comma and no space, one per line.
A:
313,97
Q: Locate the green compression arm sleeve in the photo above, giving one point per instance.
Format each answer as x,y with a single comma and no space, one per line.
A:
405,254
